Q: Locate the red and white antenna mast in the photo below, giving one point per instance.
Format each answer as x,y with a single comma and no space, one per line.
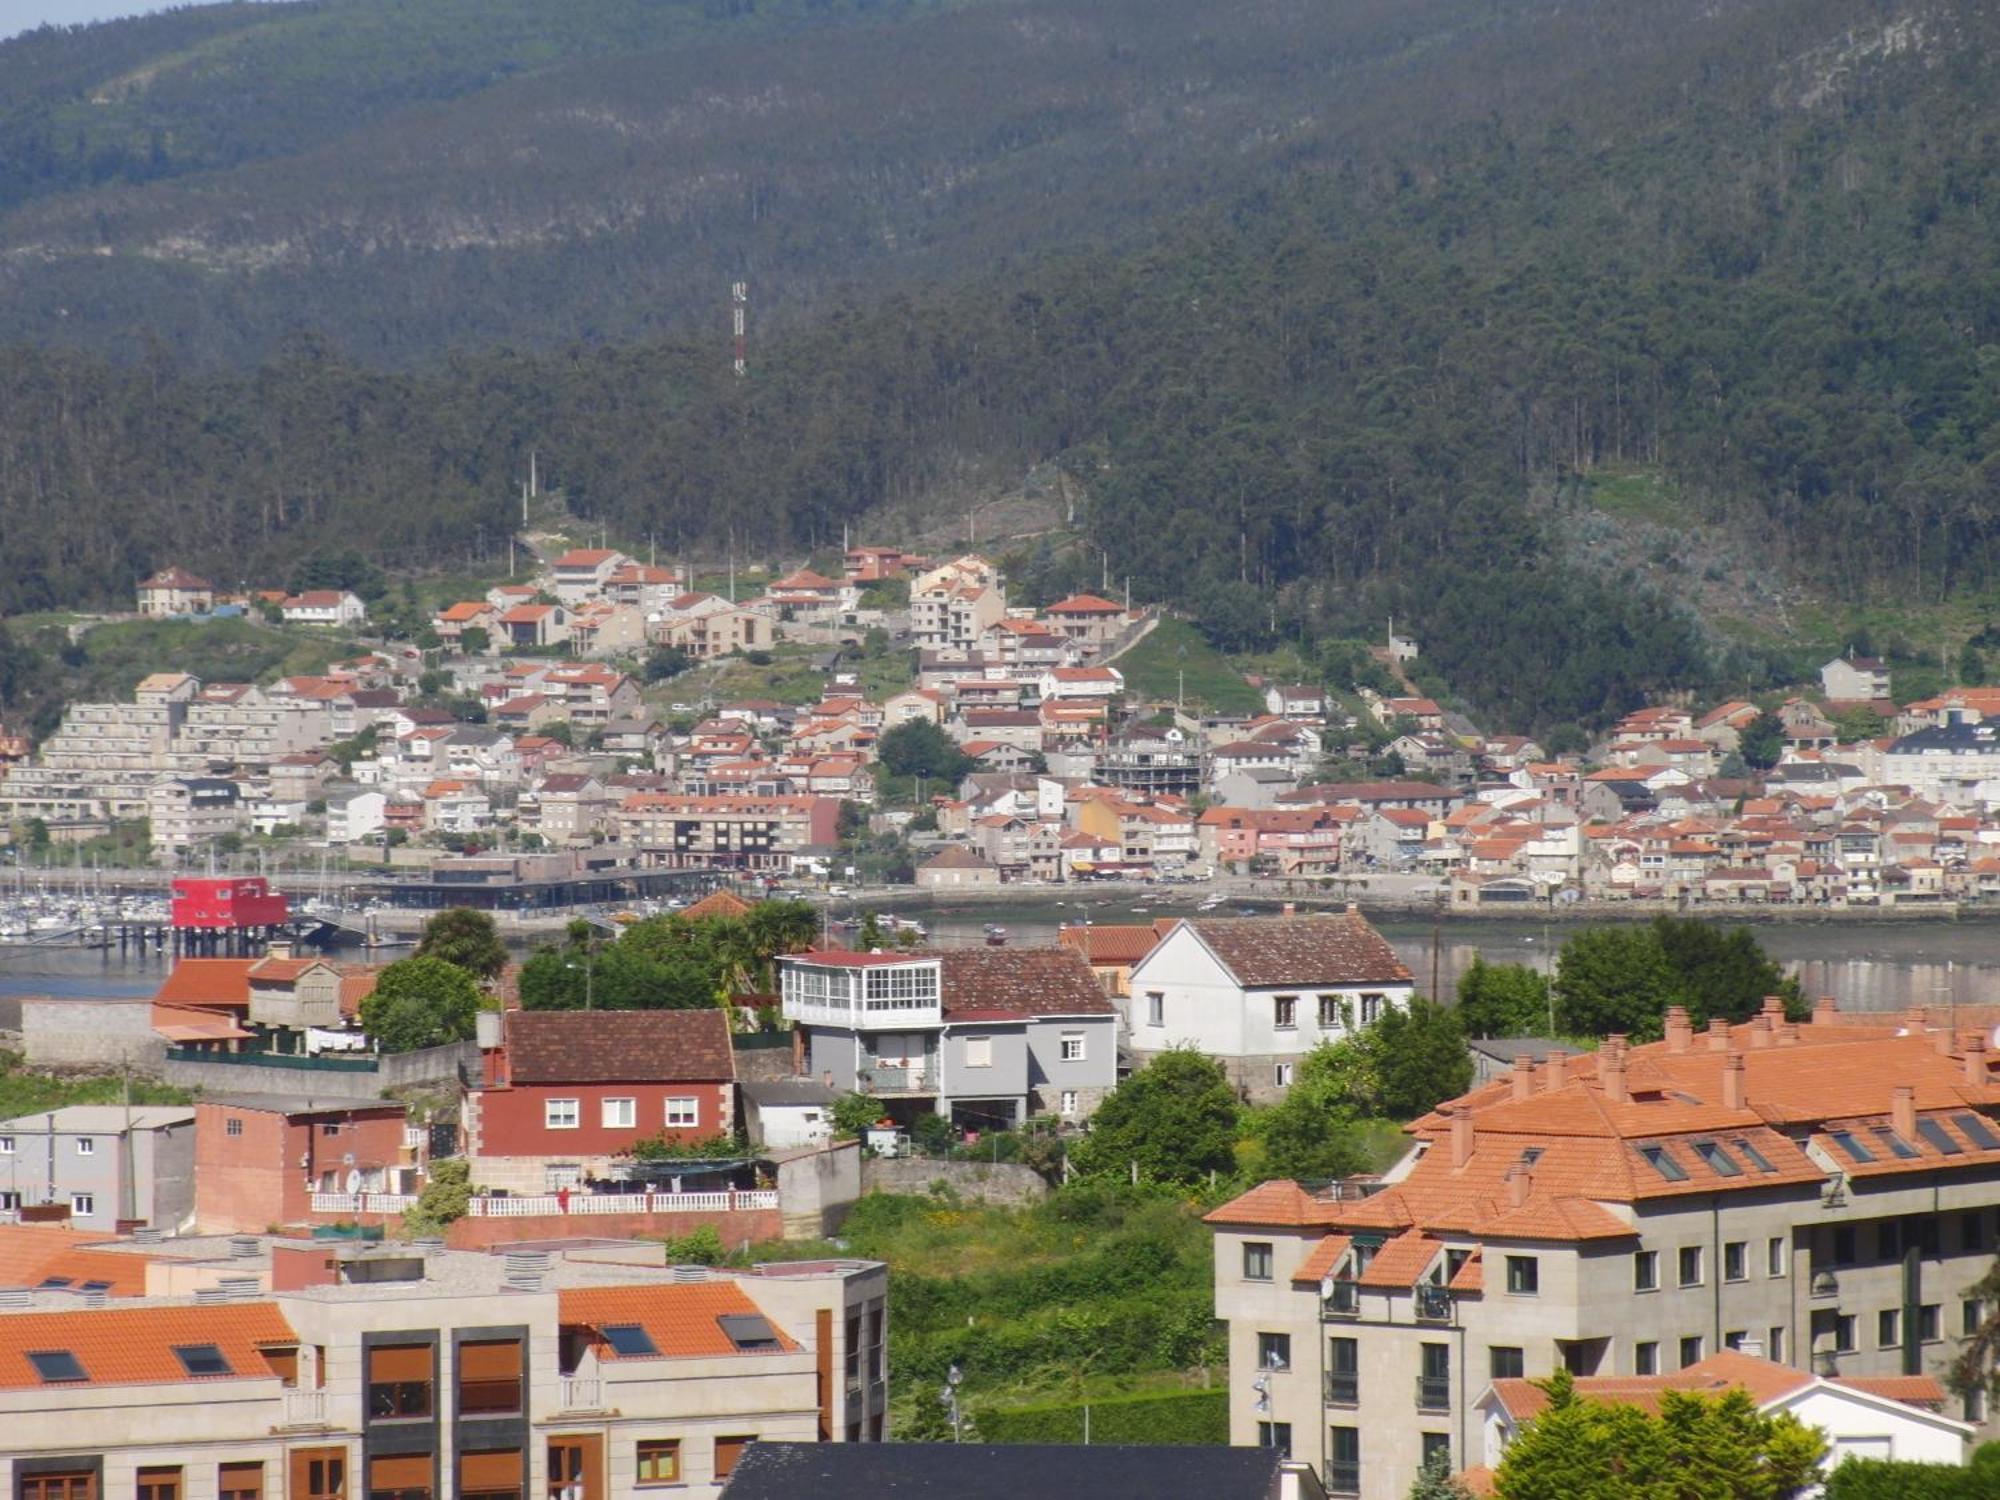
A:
739,310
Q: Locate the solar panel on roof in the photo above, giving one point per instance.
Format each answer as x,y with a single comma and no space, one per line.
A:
202,1359
1977,1132
630,1338
1757,1158
1658,1159
1851,1144
55,1365
748,1331
1933,1132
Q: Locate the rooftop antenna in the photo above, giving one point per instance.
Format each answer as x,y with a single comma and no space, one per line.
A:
739,313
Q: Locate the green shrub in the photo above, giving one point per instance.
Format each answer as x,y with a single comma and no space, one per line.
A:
1184,1418
700,1246
1885,1479
446,1198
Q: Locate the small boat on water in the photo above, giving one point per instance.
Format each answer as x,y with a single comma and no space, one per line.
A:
996,935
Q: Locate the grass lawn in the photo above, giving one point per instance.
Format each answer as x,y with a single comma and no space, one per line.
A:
116,656
1636,495
1154,668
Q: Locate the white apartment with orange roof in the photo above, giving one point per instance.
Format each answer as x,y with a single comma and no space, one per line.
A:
1826,1191
589,1370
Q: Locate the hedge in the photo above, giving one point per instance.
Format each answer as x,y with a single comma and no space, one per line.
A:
1184,1417
1886,1479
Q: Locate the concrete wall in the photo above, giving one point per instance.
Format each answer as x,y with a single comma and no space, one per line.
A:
816,1190
1004,1182
738,1228
90,1034
431,1065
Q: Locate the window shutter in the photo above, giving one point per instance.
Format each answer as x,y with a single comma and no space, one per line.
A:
490,1359
411,1471
499,1469
399,1362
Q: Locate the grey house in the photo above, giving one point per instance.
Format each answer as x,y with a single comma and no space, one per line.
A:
103,1163
983,1036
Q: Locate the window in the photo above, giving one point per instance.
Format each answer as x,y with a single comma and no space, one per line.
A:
1972,1229
239,1482
559,1114
1736,1260
1646,1271
660,1461
6,1145
630,1339
1371,1009
1888,1328
1281,1075
1843,1245
1524,1276
1256,1261
728,1450
750,1332
1156,1008
82,1205
1889,1239
489,1376
1343,1371
489,1474
1774,1343
1343,1467
1505,1362
683,1112
1691,1350
1330,1017
1660,1161
1975,1405
1275,1435
1646,1358
1971,1314
1072,1046
405,1477
232,1127
1751,1154
1274,1351
71,1486
159,1484
331,1127
619,1114
1285,1012
1068,1104
566,1466
202,1359
86,1146
1927,1323
1719,1161
1774,1256
1832,1331
1977,1131
56,1365
979,1052
399,1382
1434,1377
1734,1338
1690,1265
1436,1447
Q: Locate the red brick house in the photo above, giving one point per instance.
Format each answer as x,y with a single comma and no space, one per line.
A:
568,1094
259,1159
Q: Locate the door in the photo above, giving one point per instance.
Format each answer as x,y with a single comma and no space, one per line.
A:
318,1474
576,1467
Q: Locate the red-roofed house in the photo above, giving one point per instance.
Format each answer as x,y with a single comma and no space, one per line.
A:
324,607
582,572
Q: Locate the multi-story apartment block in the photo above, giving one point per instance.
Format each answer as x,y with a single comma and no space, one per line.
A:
191,812
953,606
101,1162
728,832
1823,1191
590,1372
983,1036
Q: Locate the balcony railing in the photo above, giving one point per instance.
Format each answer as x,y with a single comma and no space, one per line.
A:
891,1080
1344,1301
305,1409
582,1393
1433,1304
1433,1393
1343,1477
1342,1389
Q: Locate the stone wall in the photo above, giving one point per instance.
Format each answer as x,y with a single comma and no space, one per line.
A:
91,1034
1006,1182
304,1081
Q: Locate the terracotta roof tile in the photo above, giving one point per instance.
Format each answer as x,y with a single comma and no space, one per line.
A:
991,983
1317,1266
1110,944
717,904
208,981
1334,949
31,1253
135,1346
618,1046
682,1320
1399,1263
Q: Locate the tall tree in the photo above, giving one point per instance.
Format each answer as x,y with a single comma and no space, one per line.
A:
459,935
1502,1000
1175,1119
420,1002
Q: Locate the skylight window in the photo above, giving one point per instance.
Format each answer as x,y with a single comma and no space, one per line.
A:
95,1286
202,1359
1851,1144
1531,1155
630,1338
1934,1132
1757,1158
56,1365
748,1331
1977,1132
1720,1160
1896,1144
56,1281
1658,1159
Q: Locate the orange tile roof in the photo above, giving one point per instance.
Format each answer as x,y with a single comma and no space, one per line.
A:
31,1253
207,981
135,1346
680,1319
1111,944
717,904
1763,1380
1317,1266
1399,1263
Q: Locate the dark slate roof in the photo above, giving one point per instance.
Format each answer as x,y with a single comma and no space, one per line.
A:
1335,949
998,983
788,1091
980,1471
618,1046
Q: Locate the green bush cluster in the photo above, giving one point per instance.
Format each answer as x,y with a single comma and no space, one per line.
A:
1183,1418
1886,1479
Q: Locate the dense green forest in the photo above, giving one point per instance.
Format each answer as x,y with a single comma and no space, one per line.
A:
1745,246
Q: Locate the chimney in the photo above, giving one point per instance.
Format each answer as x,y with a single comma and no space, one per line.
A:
1824,1010
1903,1111
1788,1034
1916,1020
1760,1031
1524,1076
1732,1081
1461,1138
1611,1068
1718,1035
1552,1072
1975,1060
1680,1030
1519,1181
1774,1007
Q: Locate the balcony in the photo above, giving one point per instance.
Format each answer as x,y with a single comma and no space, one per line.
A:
1825,1284
1344,1301
894,1080
1433,1393
1342,1389
1433,1304
1343,1477
305,1409
582,1393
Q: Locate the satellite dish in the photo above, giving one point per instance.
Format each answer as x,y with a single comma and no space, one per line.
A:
353,1179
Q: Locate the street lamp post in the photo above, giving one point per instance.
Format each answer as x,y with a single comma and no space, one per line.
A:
949,1396
589,967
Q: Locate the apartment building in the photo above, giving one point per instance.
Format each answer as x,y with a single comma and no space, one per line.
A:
102,1162
1822,1192
728,832
592,1370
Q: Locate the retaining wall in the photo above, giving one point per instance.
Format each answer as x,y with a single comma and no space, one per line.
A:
1006,1182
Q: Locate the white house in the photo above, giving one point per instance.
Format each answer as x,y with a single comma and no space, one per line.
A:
582,572
1081,682
1257,993
1295,701
354,815
787,1112
1848,679
324,607
1887,1417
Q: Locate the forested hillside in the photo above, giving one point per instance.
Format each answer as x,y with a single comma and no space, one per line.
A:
1745,245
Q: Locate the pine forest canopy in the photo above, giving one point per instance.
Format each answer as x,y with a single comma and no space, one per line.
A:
1355,368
